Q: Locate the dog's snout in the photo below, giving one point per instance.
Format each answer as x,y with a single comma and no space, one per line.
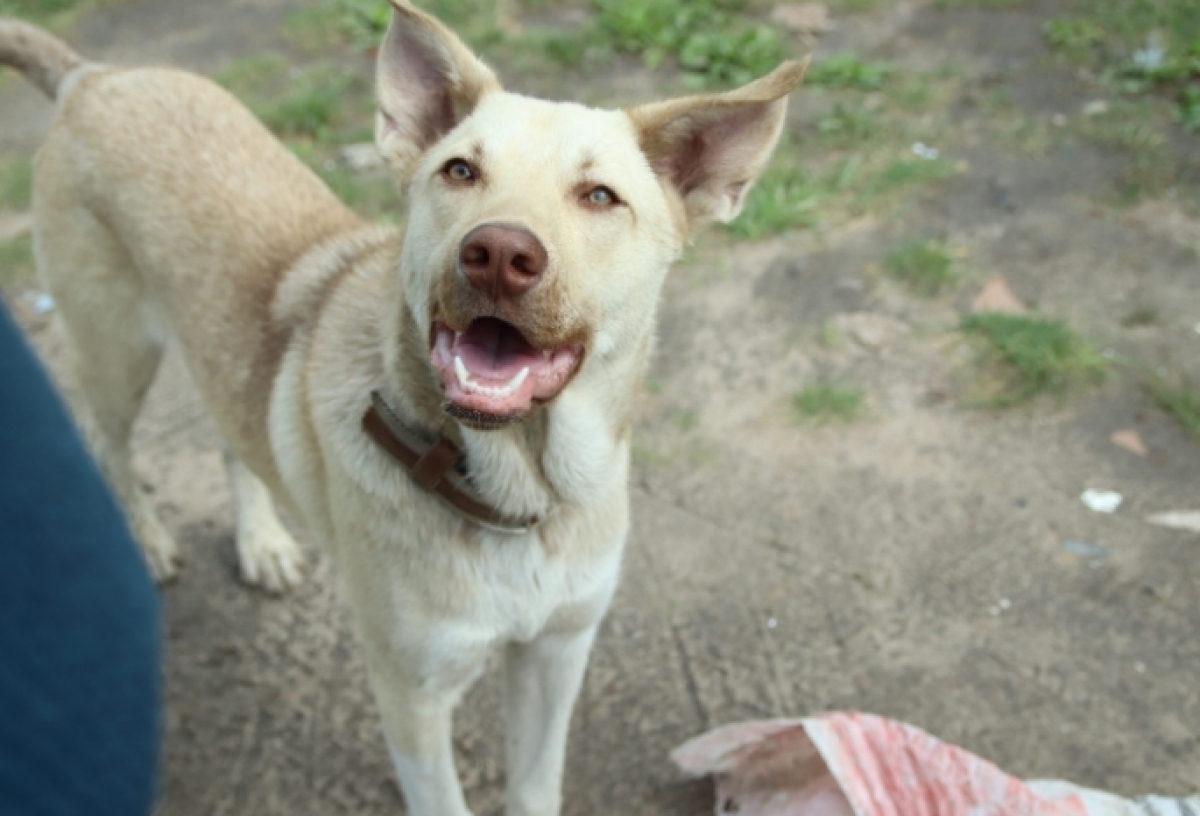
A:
504,262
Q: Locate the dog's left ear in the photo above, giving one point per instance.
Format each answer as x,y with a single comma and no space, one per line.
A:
712,148
427,82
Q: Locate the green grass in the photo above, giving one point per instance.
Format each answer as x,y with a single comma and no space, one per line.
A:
900,173
923,266
1025,357
845,70
824,402
1181,403
16,183
785,198
16,261
711,40
1137,47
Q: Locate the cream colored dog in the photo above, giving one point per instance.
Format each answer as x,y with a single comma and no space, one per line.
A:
498,338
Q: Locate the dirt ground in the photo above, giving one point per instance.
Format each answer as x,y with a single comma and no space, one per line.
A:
911,563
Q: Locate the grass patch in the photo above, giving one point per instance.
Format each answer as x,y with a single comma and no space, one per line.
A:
1181,403
923,266
16,183
711,40
900,173
1137,47
825,402
1025,357
784,199
1140,317
845,70
16,261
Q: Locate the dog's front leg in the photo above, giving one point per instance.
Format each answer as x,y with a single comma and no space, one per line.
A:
542,680
417,723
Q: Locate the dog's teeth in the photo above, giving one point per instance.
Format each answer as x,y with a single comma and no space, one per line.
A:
516,382
464,379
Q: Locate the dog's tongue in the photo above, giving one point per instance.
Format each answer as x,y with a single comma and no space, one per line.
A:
492,369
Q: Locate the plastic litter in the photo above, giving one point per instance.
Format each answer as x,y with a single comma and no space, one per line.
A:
1177,520
1102,501
1085,550
851,764
925,152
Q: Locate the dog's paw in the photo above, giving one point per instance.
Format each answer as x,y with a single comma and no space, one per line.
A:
271,559
159,547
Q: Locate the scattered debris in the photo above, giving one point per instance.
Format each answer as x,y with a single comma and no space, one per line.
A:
1131,441
1102,501
1177,520
772,623
1085,550
872,330
1153,56
363,156
851,764
15,225
996,297
1097,107
805,18
925,152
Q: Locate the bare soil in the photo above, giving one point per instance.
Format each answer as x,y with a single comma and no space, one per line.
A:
910,564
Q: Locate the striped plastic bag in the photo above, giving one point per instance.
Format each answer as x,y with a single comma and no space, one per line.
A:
849,764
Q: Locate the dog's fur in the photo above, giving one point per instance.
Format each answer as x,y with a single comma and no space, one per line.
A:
164,209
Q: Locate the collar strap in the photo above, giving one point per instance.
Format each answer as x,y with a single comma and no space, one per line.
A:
434,470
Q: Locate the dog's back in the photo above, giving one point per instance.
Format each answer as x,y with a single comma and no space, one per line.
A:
163,207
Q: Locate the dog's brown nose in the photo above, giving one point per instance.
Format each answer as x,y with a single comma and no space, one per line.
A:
504,262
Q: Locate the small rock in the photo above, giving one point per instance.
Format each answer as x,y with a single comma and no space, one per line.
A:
1059,120
1097,107
1131,441
925,151
997,298
872,330
363,156
1102,501
806,18
1085,550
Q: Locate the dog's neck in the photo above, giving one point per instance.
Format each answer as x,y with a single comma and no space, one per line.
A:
561,455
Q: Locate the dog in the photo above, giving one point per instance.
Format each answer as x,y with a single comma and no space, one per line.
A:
446,407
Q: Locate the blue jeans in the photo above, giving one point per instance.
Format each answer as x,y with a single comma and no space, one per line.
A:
79,617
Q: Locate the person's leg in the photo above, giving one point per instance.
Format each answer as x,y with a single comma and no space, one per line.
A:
79,624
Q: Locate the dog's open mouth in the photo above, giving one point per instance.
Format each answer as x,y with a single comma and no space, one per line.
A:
492,375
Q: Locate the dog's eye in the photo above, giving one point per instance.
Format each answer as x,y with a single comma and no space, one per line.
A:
458,170
601,197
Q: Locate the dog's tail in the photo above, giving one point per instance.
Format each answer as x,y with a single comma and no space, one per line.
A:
43,58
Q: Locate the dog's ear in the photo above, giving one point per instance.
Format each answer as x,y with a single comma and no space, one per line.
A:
712,148
427,82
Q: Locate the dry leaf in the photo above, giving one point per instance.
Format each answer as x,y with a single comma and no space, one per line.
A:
806,18
1177,520
996,297
1131,441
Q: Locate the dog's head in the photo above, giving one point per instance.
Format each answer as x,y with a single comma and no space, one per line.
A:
539,233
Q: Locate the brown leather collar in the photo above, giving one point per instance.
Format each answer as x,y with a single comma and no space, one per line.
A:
434,471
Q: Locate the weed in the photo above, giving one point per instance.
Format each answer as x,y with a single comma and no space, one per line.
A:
846,123
16,261
829,401
901,173
16,182
1141,316
1181,403
40,11
1075,36
924,266
951,4
254,78
686,420
705,37
845,70
830,338
1187,114
1030,356
784,199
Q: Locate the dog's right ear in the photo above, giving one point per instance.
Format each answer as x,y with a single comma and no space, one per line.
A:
427,82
